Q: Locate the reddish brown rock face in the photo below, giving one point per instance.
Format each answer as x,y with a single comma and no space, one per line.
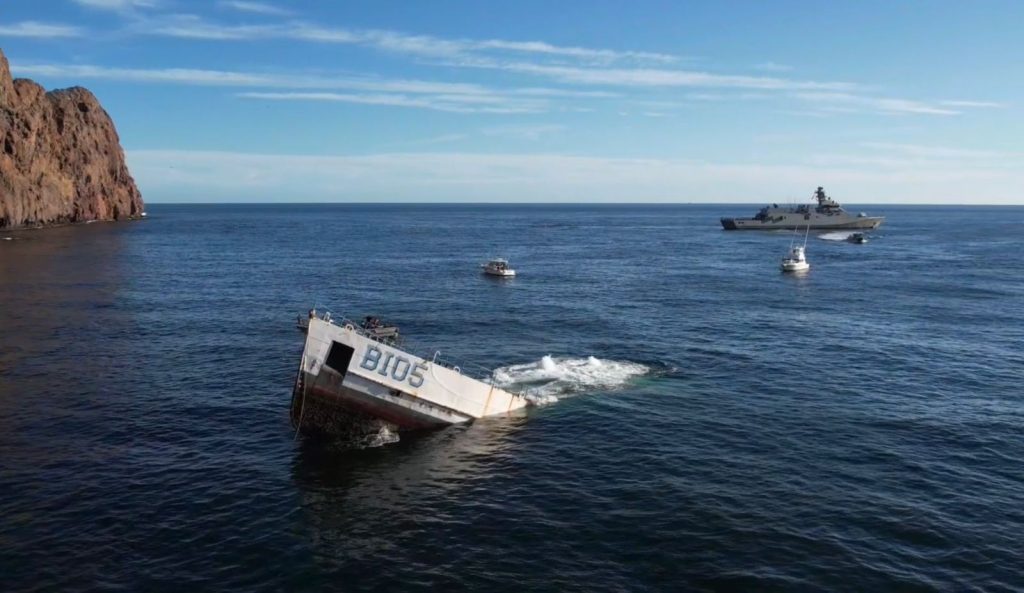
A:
60,158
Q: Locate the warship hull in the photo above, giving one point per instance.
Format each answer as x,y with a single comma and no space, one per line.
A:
828,215
789,223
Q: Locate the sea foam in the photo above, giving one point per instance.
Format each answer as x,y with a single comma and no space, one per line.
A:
545,380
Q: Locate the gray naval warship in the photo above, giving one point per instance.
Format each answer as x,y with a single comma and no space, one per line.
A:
828,214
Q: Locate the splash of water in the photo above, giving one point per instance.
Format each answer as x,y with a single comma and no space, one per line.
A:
835,236
384,436
545,380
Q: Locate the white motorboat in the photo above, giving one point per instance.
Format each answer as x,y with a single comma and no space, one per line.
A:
796,259
498,267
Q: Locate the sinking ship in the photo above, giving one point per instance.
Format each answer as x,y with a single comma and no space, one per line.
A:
355,379
828,214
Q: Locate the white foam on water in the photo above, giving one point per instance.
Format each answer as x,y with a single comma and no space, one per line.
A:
384,436
835,236
545,380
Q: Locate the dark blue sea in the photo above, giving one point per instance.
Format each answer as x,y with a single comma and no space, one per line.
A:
858,428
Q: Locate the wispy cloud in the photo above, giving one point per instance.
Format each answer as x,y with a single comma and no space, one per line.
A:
607,72
912,157
118,5
254,7
851,103
651,77
977,104
540,47
449,103
190,26
439,139
773,67
39,30
232,78
567,66
943,152
188,76
524,131
455,97
196,27
720,97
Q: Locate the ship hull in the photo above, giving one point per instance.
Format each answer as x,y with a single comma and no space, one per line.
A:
823,224
351,384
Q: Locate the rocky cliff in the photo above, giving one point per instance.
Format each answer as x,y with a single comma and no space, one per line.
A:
60,158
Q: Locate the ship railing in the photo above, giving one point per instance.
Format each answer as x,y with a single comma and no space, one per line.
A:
412,347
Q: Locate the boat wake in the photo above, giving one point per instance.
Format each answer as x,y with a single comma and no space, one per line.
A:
548,378
836,236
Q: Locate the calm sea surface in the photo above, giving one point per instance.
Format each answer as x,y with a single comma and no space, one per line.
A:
857,429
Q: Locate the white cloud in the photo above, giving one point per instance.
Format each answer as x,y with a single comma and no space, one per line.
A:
193,27
911,157
449,103
230,78
943,152
439,139
773,67
187,76
849,103
565,65
119,5
524,131
254,7
978,104
39,30
651,77
541,47
196,27
169,175
455,97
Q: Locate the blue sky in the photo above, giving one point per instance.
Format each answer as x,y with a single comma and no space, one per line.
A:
236,100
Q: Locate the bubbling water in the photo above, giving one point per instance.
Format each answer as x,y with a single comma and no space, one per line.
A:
835,236
545,380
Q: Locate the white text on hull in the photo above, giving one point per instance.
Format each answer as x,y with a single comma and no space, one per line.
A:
342,366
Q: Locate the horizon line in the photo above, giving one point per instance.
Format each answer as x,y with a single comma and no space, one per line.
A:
433,203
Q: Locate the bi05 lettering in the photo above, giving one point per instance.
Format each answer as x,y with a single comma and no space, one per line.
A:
398,367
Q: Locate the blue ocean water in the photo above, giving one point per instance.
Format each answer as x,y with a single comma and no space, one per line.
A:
858,428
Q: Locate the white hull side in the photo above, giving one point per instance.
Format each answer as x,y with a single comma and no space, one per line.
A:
381,381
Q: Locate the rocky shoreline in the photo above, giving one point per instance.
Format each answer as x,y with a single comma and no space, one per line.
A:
61,160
